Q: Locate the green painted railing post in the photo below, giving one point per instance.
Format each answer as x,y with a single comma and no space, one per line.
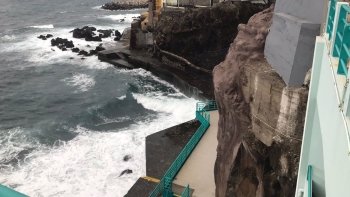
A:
168,190
309,181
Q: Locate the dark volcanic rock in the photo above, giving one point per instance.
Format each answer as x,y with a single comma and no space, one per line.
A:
64,49
83,32
125,5
127,158
42,37
49,36
69,44
127,171
100,48
82,52
93,38
203,30
105,33
76,50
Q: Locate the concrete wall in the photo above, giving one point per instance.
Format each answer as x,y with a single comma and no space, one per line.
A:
324,132
289,47
311,10
290,43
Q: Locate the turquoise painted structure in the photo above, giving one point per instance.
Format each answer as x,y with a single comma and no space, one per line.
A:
7,192
164,187
324,168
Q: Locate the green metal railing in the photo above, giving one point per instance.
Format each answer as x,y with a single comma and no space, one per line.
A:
331,15
7,192
186,192
342,40
309,181
165,185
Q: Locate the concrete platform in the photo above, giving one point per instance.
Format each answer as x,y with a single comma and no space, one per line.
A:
198,171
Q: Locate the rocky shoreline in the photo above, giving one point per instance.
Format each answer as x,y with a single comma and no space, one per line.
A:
128,5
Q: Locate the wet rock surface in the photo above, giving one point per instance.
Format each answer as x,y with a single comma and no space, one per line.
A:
163,147
261,119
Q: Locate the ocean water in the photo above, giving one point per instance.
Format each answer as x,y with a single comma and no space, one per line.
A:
66,124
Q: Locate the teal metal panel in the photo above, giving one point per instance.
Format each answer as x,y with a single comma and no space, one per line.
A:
331,15
186,192
7,192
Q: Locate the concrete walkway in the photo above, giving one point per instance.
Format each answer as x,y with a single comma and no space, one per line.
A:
198,171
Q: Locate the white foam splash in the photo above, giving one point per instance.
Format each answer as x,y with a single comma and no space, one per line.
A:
128,18
90,164
43,26
122,97
82,81
8,38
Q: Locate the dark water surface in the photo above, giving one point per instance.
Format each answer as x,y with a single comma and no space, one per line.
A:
66,124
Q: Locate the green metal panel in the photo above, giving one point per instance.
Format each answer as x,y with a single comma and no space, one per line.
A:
342,23
331,14
7,192
186,192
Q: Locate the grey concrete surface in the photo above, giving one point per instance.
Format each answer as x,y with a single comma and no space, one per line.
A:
311,10
198,170
290,45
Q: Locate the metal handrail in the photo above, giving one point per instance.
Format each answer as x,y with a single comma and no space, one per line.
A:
331,15
186,192
204,119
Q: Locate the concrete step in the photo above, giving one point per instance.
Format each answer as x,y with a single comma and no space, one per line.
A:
122,63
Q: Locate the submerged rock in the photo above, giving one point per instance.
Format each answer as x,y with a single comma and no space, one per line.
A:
76,50
127,171
127,157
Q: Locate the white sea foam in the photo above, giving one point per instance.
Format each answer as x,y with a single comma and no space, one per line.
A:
8,37
43,26
122,97
82,81
90,164
128,18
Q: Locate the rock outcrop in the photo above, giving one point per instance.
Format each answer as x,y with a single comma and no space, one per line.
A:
261,119
125,5
200,34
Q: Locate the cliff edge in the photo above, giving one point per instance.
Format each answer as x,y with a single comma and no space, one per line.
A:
261,119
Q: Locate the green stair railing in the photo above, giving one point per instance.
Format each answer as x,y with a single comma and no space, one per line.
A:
331,16
309,181
201,114
341,39
186,192
7,192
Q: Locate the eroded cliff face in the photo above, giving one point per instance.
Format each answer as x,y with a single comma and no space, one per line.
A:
261,119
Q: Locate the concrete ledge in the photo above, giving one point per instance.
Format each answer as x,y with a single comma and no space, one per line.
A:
290,45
